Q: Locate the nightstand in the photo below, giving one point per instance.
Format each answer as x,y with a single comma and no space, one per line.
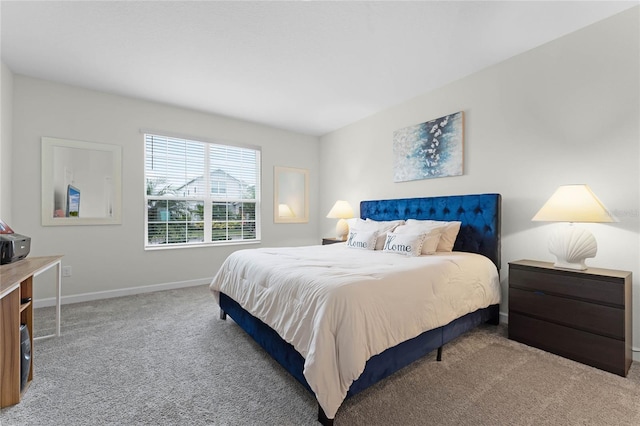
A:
581,315
326,241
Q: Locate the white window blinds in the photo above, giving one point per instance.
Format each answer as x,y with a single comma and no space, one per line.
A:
200,192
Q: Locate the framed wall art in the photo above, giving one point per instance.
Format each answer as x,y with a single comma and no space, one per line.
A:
429,150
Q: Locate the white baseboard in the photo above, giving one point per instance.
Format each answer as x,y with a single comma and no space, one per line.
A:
87,297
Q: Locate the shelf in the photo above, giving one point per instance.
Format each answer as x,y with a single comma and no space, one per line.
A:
24,306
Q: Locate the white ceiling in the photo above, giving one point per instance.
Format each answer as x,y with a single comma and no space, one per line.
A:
307,66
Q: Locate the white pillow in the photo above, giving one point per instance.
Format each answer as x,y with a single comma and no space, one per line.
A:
382,226
385,222
406,244
448,237
364,240
355,221
432,234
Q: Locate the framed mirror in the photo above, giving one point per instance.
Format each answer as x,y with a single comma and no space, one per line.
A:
81,183
291,195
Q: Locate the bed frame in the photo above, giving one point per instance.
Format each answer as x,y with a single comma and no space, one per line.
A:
480,215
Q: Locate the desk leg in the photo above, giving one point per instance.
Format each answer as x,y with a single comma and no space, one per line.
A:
58,291
58,266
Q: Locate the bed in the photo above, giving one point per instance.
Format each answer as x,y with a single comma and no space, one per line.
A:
312,315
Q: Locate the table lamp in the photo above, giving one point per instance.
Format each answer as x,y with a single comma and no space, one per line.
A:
569,243
341,210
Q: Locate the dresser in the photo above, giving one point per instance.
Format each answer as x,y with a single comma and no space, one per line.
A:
581,315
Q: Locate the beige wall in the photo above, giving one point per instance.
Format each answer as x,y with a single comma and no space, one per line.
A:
112,258
6,141
566,112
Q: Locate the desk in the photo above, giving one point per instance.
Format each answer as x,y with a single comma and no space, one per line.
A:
16,283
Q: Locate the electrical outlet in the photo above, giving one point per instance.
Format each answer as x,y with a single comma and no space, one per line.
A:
66,271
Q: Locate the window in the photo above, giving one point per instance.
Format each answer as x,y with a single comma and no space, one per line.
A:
200,193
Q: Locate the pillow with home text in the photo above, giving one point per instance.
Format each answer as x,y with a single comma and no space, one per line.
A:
431,233
383,227
364,240
406,244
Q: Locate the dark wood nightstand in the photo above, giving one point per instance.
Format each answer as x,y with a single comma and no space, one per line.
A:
326,241
581,315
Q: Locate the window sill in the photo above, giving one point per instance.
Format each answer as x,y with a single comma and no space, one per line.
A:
185,246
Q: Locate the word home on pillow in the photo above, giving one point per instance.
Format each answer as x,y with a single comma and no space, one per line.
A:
364,240
407,244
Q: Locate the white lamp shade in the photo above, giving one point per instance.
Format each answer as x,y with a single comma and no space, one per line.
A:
574,203
571,245
340,210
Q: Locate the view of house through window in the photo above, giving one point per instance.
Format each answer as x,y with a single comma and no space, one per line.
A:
200,192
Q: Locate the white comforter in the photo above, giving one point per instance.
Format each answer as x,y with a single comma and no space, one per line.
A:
339,307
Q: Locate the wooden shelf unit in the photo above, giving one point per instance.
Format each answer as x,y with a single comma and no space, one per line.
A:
16,284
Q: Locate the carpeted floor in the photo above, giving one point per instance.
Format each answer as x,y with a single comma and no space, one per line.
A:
166,359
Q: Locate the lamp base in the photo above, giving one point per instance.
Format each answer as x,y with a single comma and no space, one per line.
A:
572,245
342,229
579,266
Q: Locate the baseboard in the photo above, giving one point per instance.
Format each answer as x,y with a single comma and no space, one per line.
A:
504,318
87,297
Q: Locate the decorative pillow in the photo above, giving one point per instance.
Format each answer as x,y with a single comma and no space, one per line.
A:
382,226
406,244
385,222
431,233
364,240
355,221
448,237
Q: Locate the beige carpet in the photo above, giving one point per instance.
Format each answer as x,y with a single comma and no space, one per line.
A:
486,379
166,359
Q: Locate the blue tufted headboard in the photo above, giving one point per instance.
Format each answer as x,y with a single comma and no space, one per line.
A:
480,215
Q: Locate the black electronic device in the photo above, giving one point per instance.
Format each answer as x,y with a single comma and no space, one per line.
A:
13,247
25,356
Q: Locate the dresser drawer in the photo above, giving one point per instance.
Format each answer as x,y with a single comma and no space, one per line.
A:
586,316
591,349
567,283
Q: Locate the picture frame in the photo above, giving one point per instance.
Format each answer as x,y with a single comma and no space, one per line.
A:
71,168
432,149
291,195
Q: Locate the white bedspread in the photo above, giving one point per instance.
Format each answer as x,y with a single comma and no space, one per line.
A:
339,307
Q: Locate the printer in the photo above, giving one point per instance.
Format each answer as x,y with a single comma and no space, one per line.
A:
13,246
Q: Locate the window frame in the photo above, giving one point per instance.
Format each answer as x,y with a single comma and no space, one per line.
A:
209,199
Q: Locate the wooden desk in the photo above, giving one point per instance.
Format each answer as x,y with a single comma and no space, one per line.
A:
16,283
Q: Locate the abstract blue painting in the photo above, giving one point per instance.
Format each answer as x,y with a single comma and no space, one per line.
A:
429,150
